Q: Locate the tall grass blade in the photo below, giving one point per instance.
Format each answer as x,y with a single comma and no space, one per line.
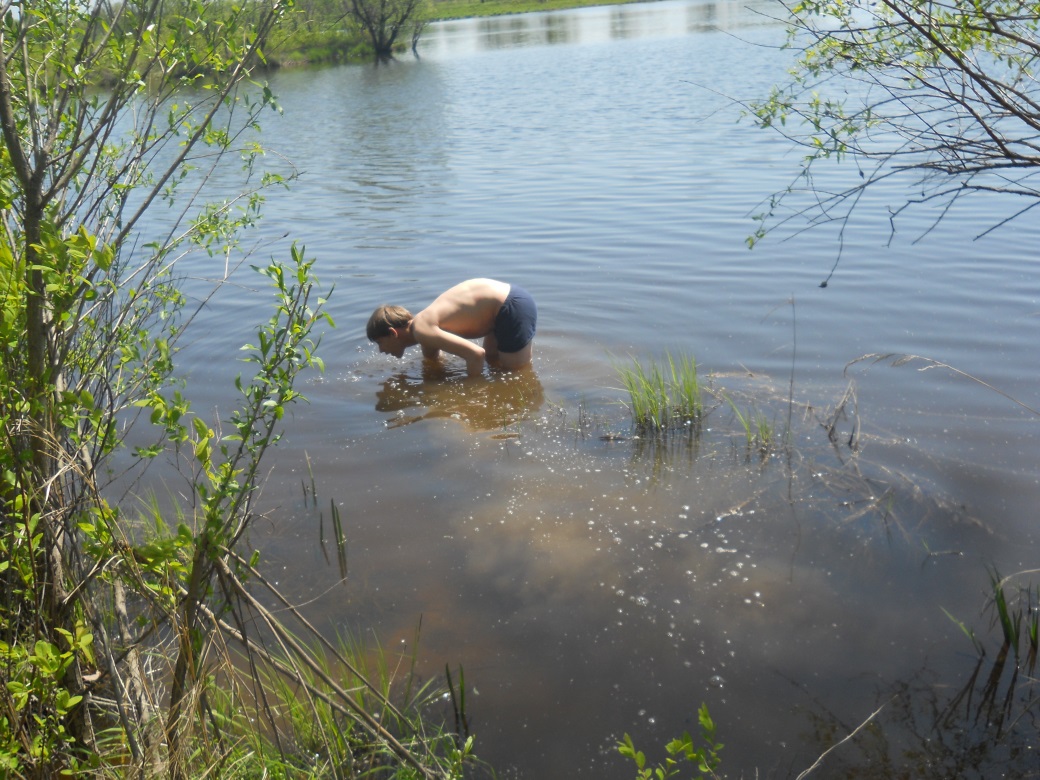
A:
458,704
1010,622
341,540
970,633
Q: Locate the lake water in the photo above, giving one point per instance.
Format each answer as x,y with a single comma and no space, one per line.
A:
590,583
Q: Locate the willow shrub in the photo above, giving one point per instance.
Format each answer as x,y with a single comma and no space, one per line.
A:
113,633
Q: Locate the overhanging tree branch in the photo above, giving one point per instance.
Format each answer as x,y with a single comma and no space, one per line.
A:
942,94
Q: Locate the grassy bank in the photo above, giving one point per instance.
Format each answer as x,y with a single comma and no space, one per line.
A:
463,9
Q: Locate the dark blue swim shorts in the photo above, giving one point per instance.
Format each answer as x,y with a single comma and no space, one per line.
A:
516,320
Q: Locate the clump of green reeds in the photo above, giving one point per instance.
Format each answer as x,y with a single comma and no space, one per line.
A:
759,430
664,398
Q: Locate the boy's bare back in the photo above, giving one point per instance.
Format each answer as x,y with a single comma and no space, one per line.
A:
467,309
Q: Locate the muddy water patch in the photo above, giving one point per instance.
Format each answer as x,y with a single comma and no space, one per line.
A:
591,582
641,594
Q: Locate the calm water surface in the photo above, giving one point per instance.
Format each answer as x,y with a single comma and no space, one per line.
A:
588,584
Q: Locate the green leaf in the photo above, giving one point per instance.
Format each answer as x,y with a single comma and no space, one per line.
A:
628,749
201,428
46,657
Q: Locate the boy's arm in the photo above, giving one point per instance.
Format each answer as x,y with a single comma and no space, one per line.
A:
433,338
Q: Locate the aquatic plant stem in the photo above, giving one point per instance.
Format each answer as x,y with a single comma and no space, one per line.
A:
837,745
794,360
901,359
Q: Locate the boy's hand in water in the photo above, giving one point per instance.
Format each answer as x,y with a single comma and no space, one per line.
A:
475,364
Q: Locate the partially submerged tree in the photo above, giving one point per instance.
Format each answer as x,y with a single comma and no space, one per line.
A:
90,316
387,22
942,94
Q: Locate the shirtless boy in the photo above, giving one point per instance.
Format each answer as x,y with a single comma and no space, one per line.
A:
503,315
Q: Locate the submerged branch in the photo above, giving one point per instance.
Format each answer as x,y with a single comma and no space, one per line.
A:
901,359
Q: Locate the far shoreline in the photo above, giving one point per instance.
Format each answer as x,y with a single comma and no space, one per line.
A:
454,10
342,47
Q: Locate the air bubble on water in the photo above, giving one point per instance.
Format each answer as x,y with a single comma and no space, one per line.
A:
716,681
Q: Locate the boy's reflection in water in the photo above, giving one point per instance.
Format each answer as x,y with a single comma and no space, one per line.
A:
483,403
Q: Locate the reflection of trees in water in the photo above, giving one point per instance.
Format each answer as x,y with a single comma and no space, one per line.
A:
483,404
927,728
619,22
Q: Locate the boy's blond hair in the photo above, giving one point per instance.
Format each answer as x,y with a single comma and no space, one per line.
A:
386,317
